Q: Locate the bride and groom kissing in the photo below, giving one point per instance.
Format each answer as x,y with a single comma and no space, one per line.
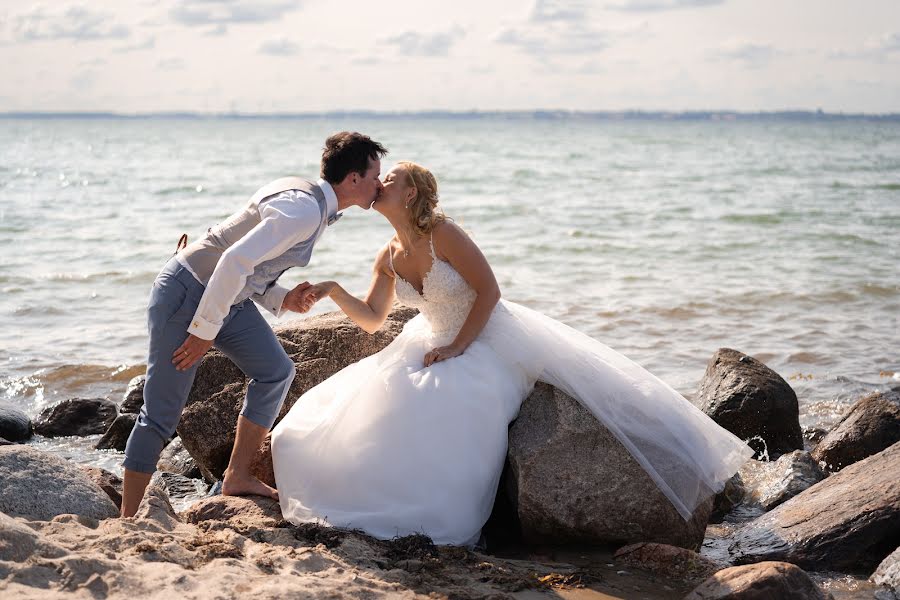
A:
413,438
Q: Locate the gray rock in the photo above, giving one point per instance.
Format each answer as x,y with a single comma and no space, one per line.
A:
179,486
133,399
871,425
77,416
762,581
108,482
116,436
29,476
15,426
570,480
175,459
752,401
847,522
888,572
791,474
320,346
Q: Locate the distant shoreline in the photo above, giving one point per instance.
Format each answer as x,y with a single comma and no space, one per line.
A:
530,115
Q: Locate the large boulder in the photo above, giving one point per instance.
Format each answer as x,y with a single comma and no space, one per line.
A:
39,486
77,416
848,522
871,425
133,399
319,346
570,480
117,435
888,572
752,401
762,581
15,425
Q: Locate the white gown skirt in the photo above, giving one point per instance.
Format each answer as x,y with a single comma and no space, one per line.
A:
393,448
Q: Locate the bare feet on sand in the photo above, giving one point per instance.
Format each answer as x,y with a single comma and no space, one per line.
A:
234,485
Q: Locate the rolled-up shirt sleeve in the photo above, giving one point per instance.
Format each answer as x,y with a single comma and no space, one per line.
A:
287,219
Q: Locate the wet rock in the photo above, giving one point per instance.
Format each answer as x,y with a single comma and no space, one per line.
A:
15,426
848,522
39,486
133,399
752,401
871,425
175,459
116,436
790,475
726,500
669,562
77,416
888,573
108,482
762,581
813,435
179,486
250,511
319,346
571,481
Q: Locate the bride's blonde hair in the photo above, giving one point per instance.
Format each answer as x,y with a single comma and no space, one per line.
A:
423,209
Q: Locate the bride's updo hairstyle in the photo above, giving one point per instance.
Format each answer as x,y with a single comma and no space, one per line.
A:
423,209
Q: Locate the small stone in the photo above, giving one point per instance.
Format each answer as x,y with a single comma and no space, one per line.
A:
77,416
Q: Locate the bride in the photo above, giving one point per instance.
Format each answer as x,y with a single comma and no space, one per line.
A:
413,439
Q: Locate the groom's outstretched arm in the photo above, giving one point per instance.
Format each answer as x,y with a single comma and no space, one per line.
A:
371,313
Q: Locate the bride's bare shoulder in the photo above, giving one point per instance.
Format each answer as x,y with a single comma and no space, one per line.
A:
449,235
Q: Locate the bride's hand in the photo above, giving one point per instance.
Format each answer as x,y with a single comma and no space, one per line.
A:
317,292
442,353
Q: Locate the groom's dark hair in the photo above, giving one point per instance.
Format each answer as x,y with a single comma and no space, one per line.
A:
348,152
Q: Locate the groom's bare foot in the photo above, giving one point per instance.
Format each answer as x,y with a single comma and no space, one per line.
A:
234,485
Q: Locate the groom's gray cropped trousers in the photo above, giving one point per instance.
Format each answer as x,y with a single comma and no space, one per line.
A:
245,338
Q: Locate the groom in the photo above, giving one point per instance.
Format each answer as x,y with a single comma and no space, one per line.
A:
204,296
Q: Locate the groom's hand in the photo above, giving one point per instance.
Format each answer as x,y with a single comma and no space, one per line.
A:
297,300
190,352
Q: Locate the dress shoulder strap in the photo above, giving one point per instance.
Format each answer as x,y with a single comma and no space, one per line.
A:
431,243
391,258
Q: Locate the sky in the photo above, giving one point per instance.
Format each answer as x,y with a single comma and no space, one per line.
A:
277,56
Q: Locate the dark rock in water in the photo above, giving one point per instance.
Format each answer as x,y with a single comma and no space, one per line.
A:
179,486
813,435
15,425
108,482
752,401
77,416
572,481
39,486
848,522
888,573
175,459
320,346
133,399
725,501
669,562
762,581
791,474
116,436
871,425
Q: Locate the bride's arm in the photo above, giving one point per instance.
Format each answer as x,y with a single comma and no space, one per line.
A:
463,255
370,313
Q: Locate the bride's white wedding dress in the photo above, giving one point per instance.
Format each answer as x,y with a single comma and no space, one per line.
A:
394,448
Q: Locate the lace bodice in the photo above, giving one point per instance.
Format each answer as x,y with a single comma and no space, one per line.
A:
446,297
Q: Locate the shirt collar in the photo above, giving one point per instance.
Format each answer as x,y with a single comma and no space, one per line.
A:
330,197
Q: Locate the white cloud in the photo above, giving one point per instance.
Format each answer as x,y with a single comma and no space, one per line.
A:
661,5
880,48
74,22
436,43
281,46
751,54
220,12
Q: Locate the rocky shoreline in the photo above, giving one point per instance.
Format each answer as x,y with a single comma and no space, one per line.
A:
811,502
